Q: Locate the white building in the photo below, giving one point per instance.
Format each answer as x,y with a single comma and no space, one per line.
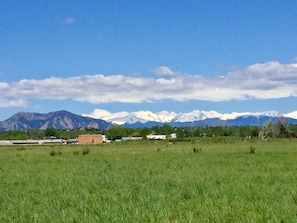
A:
173,136
156,137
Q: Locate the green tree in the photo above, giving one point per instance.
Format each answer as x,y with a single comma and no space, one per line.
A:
143,132
36,134
293,130
245,131
50,132
117,132
255,131
218,130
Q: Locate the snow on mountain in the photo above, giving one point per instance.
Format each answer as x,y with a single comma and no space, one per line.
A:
165,116
291,115
234,115
130,119
196,115
271,113
116,118
133,117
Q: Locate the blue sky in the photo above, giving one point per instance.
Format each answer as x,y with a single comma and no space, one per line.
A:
147,55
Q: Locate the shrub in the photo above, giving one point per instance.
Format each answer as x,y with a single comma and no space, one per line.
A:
197,150
252,149
86,151
75,152
21,148
54,153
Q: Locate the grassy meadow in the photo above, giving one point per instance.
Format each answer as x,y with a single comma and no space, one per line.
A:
226,180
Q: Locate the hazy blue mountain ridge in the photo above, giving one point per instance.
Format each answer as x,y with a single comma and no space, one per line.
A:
59,120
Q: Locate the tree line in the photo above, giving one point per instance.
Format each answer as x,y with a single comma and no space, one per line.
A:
279,129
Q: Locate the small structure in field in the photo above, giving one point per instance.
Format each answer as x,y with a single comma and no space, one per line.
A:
156,137
173,136
131,138
90,139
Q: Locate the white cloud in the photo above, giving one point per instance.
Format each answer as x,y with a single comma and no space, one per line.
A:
262,81
162,71
69,20
105,115
6,103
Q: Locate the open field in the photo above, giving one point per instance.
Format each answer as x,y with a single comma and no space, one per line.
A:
151,181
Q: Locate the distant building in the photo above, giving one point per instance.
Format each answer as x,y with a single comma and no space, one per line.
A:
32,142
90,139
131,138
156,137
105,139
173,136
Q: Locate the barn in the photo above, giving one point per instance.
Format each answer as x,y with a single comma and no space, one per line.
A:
90,139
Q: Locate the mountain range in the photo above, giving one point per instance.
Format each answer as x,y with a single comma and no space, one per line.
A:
57,120
102,119
196,117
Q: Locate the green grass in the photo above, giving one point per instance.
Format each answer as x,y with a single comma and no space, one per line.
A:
151,181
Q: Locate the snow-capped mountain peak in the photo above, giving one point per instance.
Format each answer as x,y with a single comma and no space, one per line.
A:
166,116
133,117
291,115
163,116
196,115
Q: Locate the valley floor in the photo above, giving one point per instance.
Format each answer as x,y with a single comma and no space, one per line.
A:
224,180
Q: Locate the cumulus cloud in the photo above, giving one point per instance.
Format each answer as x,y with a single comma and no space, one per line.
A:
6,103
106,115
261,81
